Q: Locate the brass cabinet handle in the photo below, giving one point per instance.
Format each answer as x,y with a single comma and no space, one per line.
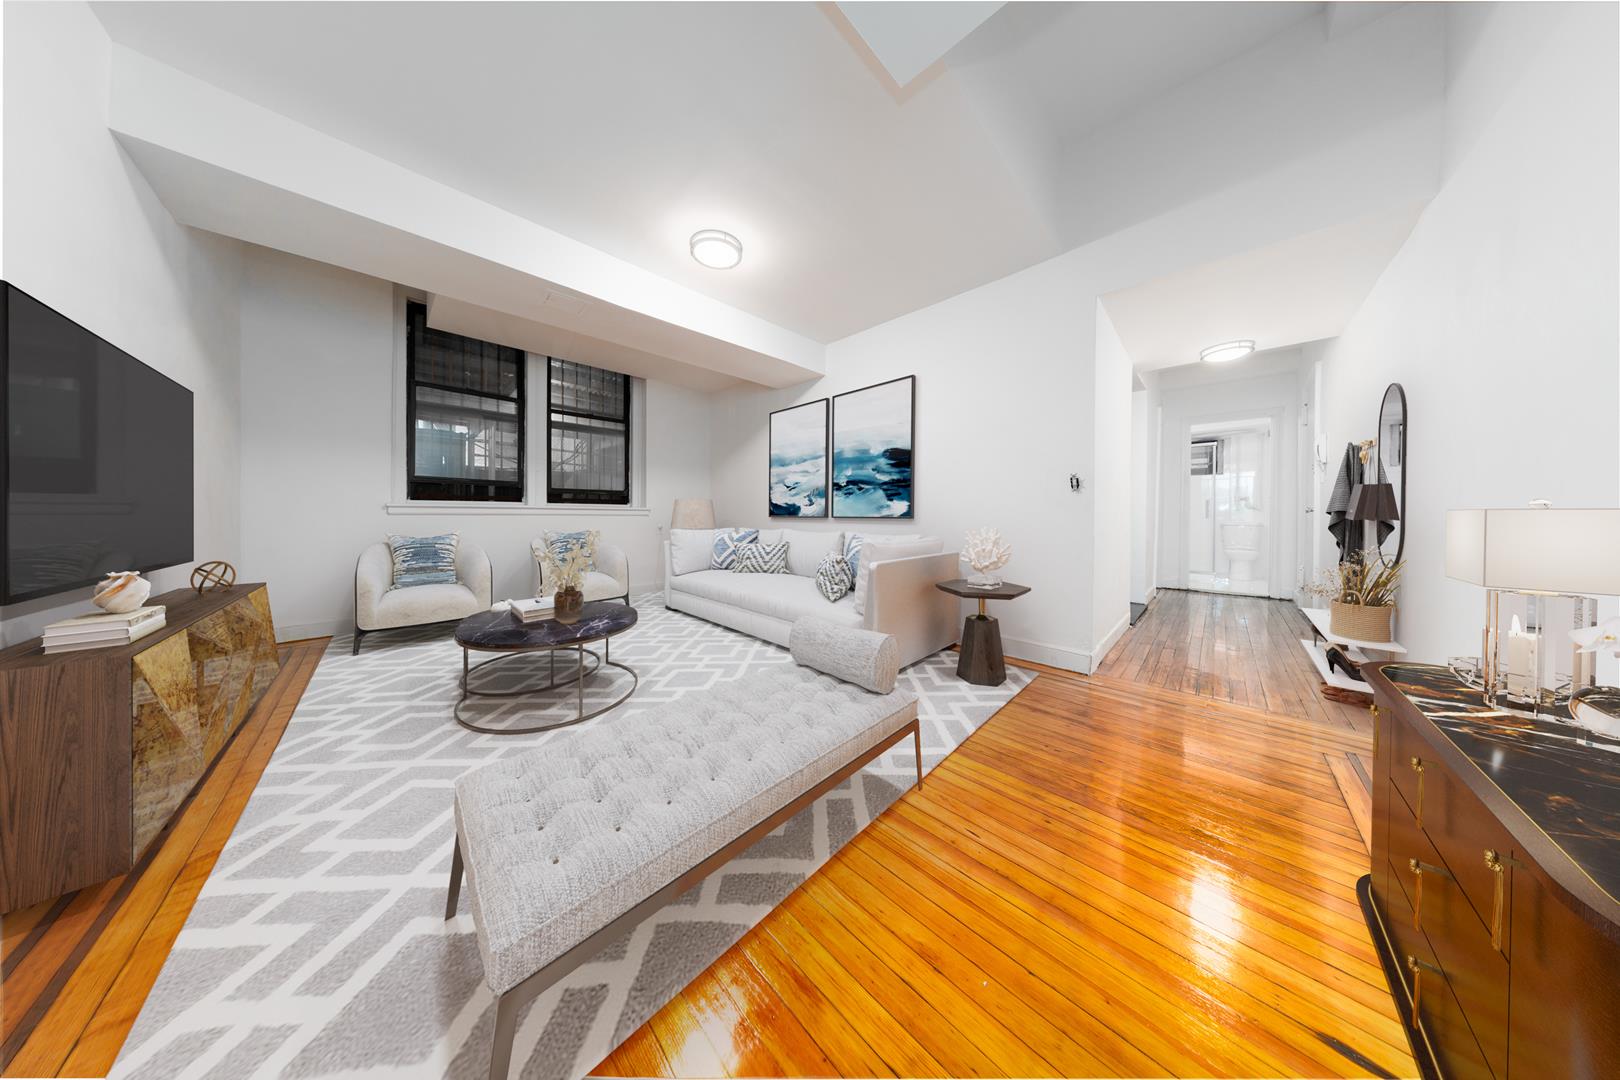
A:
1417,766
1417,968
1375,714
1498,864
1418,870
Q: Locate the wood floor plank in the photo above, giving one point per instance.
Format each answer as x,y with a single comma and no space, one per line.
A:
1112,877
1357,796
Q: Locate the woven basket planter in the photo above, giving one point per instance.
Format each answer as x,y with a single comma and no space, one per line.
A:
1362,623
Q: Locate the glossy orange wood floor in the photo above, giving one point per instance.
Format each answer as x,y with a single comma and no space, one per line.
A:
1107,879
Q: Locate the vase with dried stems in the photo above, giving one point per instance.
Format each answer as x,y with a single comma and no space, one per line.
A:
565,573
1362,595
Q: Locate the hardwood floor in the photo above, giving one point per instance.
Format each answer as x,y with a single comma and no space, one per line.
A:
77,969
1109,878
1241,649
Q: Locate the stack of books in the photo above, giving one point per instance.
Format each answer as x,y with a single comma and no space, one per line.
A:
103,630
537,610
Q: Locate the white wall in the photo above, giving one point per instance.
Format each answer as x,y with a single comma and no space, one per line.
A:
1111,490
85,234
1266,385
1145,412
321,419
1499,314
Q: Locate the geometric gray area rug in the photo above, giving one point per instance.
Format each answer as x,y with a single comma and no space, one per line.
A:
318,946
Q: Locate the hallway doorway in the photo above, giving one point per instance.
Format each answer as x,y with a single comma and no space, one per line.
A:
1227,525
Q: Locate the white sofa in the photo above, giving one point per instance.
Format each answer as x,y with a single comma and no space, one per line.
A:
901,601
379,606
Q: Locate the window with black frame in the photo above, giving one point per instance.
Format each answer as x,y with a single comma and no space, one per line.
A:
464,415
588,448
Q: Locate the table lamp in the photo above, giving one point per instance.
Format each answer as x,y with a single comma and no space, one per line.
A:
1538,552
692,514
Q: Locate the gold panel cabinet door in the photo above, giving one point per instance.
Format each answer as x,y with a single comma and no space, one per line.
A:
167,747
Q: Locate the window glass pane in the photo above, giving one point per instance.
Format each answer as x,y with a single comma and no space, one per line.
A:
589,434
466,399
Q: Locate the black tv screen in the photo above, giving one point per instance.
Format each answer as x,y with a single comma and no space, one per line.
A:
97,462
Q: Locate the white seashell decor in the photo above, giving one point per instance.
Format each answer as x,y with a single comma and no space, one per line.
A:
122,591
986,552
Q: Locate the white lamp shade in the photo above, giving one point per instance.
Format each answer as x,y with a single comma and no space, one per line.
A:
1574,552
692,514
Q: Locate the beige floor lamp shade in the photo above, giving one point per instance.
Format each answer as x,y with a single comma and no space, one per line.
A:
692,514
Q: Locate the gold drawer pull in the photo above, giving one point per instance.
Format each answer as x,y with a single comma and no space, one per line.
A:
1417,766
1418,870
1417,968
1498,864
1375,714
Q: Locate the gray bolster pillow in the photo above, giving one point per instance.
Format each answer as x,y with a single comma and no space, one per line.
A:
863,657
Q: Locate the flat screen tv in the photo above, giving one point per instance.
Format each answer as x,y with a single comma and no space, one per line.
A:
97,458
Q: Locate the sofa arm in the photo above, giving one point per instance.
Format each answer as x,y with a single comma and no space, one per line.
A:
901,600
373,576
473,570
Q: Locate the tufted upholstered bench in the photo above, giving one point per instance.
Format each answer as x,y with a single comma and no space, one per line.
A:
566,846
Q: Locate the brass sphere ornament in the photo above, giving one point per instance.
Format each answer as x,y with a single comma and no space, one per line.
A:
213,575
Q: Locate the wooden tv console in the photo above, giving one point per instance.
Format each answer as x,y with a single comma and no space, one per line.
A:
99,748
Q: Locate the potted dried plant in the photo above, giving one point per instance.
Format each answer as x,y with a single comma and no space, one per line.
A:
1362,596
565,574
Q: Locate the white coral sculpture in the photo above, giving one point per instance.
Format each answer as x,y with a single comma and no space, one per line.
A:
986,551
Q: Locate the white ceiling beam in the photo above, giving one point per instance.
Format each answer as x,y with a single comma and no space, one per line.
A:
223,164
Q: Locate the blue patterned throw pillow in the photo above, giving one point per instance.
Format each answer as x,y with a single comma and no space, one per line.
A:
424,560
852,553
833,577
761,559
561,543
726,543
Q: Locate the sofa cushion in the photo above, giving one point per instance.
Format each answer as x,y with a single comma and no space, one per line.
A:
690,550
833,579
423,604
558,842
761,559
807,547
782,596
423,560
726,542
880,550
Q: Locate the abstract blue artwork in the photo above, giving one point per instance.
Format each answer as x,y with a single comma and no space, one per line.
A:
798,477
871,451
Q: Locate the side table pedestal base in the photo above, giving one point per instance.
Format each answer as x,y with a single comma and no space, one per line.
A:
982,663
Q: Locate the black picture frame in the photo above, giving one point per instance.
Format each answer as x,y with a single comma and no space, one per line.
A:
826,473
911,447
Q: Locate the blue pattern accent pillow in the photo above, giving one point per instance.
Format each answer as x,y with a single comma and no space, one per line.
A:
761,559
833,577
852,553
726,542
424,560
561,543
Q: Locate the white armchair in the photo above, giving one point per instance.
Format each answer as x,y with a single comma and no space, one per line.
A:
609,581
379,606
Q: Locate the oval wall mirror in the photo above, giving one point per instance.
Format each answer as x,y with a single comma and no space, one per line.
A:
1392,466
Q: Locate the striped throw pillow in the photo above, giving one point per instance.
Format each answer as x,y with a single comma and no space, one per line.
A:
852,552
761,559
726,543
833,577
424,560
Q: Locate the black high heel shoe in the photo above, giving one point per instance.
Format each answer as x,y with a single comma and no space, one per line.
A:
1337,660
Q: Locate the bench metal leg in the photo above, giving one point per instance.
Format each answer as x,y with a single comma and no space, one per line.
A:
455,881
916,735
500,1054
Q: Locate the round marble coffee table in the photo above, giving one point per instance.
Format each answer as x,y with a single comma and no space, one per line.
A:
503,632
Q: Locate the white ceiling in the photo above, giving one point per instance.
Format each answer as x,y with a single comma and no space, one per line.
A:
628,126
1303,289
907,37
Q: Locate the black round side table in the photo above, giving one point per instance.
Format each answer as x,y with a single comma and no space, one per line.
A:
982,662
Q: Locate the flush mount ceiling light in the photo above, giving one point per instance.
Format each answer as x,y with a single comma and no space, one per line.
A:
1226,351
716,249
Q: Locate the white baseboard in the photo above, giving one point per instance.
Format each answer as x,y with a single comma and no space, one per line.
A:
1040,652
1110,639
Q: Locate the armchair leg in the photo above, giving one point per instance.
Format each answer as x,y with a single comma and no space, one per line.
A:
500,1054
358,634
455,882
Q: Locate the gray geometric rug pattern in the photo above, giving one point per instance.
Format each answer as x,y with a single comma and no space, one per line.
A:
318,946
